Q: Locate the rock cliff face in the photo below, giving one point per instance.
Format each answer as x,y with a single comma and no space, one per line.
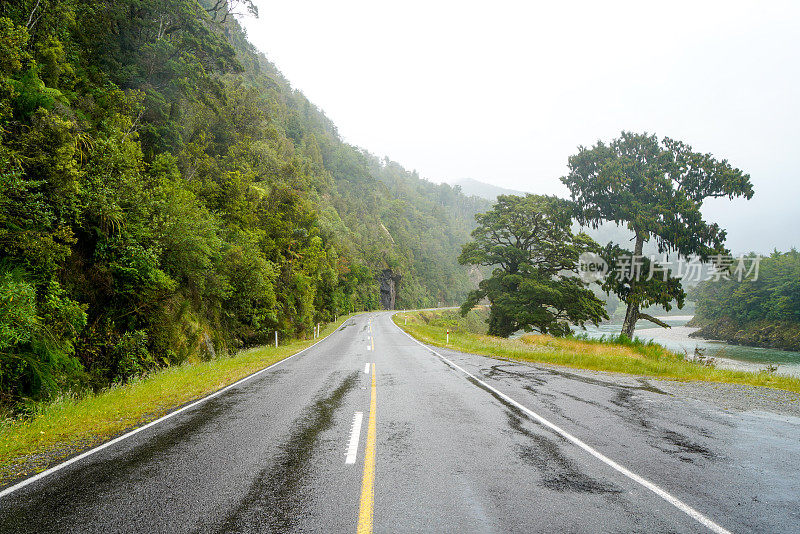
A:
389,281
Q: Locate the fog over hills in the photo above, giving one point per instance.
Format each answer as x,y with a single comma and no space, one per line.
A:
743,232
507,95
471,187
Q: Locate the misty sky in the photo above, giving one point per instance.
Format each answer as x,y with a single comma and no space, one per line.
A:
504,92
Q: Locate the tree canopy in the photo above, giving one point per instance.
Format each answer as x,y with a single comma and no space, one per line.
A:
534,285
753,301
656,188
773,295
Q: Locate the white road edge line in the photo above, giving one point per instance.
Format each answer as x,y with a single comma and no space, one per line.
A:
355,435
11,489
366,368
677,503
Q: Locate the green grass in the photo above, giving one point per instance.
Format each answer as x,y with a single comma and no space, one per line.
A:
621,356
70,424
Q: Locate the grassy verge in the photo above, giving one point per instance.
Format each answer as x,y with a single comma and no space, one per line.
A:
69,424
632,357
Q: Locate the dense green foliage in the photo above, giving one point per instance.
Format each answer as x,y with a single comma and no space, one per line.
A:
656,189
534,285
475,321
763,311
774,295
167,195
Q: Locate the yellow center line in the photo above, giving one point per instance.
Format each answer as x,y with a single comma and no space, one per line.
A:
367,486
372,342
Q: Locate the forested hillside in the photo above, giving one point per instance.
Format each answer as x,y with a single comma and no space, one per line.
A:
763,312
166,194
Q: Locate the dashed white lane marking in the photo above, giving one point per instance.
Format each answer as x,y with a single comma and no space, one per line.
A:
355,434
366,368
674,501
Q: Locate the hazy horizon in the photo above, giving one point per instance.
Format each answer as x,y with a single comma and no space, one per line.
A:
505,95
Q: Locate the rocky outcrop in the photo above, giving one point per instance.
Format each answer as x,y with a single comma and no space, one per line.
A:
207,350
388,281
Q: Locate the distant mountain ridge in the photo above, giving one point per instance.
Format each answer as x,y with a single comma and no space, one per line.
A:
476,188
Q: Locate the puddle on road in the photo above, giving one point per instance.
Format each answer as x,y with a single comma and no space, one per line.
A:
665,440
275,501
496,371
684,447
644,385
630,410
81,488
558,473
445,362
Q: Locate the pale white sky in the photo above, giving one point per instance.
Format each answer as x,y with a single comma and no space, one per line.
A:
505,91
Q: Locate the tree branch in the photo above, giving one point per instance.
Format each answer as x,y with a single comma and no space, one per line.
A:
652,319
30,18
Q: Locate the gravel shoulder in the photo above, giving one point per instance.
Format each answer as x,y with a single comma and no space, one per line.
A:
724,396
735,397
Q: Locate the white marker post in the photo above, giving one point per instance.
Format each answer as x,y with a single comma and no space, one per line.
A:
448,336
276,339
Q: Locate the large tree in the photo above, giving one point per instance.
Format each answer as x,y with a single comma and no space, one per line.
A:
535,254
656,189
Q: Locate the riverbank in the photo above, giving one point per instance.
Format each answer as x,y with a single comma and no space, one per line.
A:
636,358
679,339
773,335
723,357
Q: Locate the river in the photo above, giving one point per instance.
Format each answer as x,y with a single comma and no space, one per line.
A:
727,356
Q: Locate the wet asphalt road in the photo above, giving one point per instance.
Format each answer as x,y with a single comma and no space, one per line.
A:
451,455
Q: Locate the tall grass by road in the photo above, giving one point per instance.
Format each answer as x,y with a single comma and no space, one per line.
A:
616,355
60,428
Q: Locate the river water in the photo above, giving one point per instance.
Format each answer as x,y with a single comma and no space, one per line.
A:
727,356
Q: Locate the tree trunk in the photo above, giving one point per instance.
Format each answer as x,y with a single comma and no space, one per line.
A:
631,316
632,312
